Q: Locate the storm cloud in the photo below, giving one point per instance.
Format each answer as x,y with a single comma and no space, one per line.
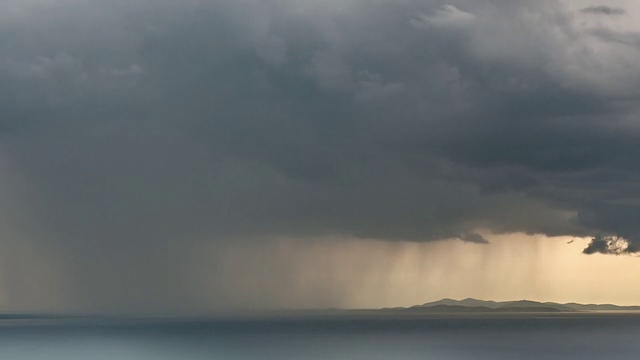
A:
610,245
131,132
603,10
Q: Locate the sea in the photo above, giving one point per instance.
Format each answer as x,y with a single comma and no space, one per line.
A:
563,336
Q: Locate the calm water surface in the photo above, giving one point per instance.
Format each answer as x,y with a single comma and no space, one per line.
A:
574,336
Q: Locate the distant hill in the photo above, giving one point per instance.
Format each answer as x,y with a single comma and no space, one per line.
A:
602,307
466,302
534,304
470,305
478,309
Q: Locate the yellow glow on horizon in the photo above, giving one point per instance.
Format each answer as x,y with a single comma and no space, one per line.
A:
354,273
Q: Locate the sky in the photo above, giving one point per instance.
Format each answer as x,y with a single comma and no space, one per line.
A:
211,155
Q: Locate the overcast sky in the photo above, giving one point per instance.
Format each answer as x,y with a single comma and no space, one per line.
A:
156,155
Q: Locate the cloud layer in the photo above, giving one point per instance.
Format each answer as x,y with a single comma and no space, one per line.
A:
603,10
137,129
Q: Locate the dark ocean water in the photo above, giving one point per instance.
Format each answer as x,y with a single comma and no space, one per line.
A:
548,337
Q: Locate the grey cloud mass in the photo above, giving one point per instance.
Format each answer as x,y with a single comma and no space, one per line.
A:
610,245
603,10
474,238
138,130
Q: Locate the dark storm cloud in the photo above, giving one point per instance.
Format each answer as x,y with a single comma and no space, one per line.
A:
610,245
474,238
603,10
631,39
140,130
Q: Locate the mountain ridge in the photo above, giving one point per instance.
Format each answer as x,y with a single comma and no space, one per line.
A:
471,304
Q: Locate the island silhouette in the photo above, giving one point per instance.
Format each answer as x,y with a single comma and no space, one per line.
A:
470,305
